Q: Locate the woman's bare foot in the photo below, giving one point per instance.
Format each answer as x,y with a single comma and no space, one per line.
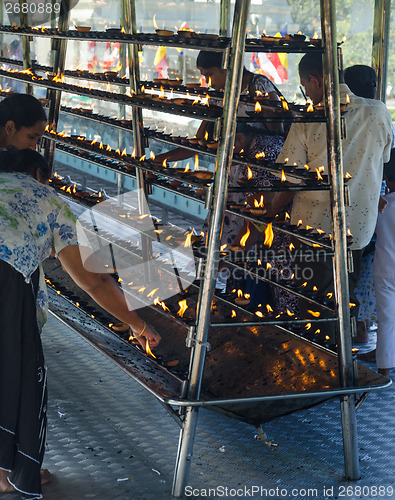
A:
5,486
45,476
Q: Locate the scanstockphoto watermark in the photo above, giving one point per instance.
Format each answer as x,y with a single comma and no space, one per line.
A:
278,492
338,491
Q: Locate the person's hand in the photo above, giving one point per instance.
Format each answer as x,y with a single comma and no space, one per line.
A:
382,204
149,334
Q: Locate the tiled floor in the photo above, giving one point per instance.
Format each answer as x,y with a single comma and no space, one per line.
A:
111,440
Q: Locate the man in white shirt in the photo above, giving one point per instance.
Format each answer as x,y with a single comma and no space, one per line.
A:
366,147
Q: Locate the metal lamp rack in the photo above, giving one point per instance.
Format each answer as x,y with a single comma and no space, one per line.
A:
189,399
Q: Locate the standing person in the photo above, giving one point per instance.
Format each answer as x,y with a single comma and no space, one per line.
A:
384,278
34,220
362,81
209,64
365,148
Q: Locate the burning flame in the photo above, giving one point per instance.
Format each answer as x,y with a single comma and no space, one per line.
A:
157,302
259,314
260,203
258,107
148,350
249,173
269,235
269,309
183,307
233,313
206,136
291,246
308,326
284,104
329,295
287,216
315,36
310,108
154,22
319,176
162,92
348,99
349,233
188,239
244,238
260,155
316,314
196,165
348,175
283,177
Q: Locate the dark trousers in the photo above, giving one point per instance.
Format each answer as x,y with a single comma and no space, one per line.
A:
318,272
23,392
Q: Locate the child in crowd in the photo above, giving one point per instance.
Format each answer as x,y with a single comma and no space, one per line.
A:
384,275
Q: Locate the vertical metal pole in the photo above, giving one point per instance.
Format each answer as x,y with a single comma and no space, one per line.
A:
25,40
224,18
59,60
224,160
346,373
129,9
381,31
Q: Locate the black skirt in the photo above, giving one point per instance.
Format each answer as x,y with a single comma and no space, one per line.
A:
23,384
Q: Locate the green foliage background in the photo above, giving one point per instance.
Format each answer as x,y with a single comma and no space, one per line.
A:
354,20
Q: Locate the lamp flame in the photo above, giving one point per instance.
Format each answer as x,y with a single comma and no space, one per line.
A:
244,238
249,173
316,314
154,22
183,307
260,155
148,350
283,177
310,108
188,239
260,203
258,107
319,176
269,235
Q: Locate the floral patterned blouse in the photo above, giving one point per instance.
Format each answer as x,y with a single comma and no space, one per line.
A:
33,220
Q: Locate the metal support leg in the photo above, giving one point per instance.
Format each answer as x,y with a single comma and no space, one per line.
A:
185,451
350,440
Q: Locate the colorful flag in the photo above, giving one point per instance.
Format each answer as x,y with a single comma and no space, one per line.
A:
160,63
274,66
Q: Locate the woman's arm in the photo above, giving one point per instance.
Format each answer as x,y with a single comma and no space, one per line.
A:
105,291
180,154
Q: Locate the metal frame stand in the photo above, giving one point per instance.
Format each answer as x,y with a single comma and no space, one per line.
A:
346,372
224,160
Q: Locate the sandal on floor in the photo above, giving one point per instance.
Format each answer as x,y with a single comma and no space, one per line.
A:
370,356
